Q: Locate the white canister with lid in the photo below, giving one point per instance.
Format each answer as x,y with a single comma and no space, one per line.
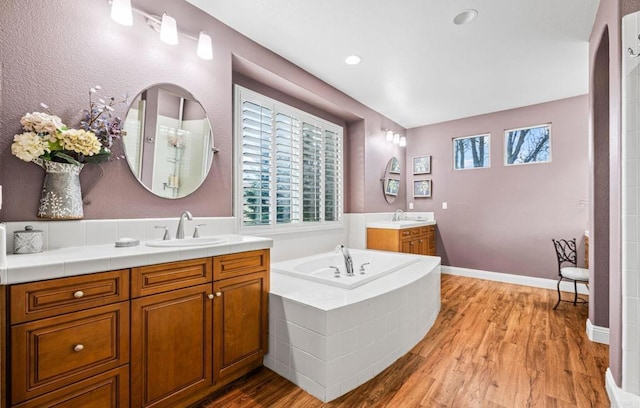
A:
27,241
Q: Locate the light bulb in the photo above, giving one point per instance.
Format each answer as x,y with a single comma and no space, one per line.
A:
121,12
403,141
169,30
396,138
389,136
205,50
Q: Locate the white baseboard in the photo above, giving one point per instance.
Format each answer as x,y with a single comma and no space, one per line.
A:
618,397
597,334
514,279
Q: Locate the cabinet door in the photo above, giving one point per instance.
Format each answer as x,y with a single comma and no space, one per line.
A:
171,346
431,241
240,323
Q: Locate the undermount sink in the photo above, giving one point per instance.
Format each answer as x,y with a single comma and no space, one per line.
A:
202,241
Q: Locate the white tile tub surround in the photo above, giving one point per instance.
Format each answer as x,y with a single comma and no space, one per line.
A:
630,207
329,340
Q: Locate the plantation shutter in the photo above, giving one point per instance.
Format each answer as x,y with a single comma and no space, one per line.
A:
287,169
290,164
256,164
332,172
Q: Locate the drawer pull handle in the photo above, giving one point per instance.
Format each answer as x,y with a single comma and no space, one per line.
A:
218,294
210,295
78,294
78,348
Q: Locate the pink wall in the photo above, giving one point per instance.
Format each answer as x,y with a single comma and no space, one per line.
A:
58,63
501,218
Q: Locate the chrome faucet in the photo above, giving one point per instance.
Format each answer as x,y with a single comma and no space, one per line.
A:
397,216
348,262
180,232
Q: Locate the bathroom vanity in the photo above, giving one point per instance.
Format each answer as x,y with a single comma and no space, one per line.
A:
411,237
162,334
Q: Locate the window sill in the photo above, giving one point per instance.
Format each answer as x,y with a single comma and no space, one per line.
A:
270,231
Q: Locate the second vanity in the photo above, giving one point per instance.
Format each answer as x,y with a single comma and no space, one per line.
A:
407,236
139,326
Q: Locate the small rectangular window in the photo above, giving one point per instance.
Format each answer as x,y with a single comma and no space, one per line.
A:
527,145
471,152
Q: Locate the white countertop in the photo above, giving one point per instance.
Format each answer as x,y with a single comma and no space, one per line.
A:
82,260
402,224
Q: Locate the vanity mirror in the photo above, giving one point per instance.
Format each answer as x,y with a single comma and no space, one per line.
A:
391,180
169,142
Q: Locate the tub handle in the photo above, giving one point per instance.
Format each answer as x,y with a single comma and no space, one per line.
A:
362,267
336,271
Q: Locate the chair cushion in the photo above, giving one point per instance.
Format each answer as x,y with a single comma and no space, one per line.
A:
579,274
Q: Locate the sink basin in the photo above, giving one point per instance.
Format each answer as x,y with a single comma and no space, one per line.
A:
202,241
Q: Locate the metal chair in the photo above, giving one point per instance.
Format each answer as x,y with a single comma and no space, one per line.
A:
567,255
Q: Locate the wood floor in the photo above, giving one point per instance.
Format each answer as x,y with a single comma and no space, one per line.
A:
493,345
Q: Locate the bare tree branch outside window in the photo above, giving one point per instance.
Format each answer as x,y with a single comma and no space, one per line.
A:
528,145
471,152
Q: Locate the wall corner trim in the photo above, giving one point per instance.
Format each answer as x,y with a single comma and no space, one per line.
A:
597,334
618,397
514,279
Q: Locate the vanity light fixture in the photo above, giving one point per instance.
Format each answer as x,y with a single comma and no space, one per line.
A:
395,138
168,30
121,12
389,135
166,26
204,46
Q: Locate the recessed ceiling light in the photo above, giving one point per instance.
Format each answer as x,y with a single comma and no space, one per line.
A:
353,60
465,16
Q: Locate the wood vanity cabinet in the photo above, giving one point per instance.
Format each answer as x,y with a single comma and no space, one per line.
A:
240,313
69,341
171,332
417,240
164,335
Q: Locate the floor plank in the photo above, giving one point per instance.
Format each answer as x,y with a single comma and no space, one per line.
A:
493,345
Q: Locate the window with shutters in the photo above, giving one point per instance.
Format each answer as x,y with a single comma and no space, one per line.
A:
289,165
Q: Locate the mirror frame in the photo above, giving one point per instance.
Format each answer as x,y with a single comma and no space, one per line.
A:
169,140
391,180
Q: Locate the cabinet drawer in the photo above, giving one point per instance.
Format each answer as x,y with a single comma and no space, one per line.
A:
106,390
58,351
37,300
228,266
149,280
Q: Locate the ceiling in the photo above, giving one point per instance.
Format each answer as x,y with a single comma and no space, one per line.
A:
418,67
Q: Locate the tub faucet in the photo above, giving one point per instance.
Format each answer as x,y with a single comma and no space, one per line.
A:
397,216
180,232
348,262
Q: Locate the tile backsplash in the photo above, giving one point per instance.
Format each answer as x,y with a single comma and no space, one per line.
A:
61,234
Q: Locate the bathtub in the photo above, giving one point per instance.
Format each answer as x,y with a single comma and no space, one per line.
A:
327,337
367,266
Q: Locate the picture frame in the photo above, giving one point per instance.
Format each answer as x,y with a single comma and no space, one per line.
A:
422,188
392,186
421,164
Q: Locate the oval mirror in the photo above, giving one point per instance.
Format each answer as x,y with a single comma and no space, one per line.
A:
169,142
391,180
